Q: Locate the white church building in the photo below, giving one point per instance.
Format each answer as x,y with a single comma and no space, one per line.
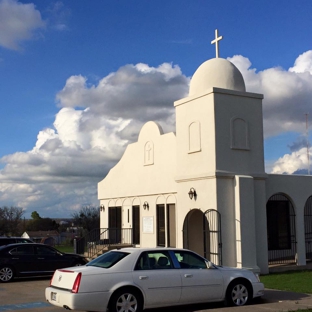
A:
204,187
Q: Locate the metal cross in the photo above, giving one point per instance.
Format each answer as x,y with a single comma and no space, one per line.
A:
216,41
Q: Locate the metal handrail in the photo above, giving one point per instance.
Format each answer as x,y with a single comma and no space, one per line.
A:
100,239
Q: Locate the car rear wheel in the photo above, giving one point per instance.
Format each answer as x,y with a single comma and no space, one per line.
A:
6,274
126,300
238,293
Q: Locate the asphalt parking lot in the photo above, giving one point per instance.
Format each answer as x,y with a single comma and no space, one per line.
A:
27,295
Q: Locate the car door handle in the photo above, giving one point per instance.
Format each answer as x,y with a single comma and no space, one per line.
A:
15,258
188,275
143,277
40,258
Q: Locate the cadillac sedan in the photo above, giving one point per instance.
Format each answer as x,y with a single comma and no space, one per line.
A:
24,260
134,279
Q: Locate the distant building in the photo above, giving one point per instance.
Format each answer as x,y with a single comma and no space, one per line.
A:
41,237
204,187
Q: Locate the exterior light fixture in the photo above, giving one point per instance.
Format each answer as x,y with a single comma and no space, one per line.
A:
192,193
102,208
146,205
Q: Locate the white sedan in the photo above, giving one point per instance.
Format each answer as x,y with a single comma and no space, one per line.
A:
134,279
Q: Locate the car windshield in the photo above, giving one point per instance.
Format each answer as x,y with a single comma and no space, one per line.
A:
108,259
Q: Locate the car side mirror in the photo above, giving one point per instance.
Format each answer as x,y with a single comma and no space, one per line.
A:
210,265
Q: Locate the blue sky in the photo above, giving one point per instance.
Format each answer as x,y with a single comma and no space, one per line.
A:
71,87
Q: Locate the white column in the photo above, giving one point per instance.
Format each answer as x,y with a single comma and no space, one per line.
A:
246,252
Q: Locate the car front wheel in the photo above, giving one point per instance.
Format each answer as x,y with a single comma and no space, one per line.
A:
6,274
238,294
126,300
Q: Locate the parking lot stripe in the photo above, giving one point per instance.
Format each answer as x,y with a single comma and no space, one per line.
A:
21,306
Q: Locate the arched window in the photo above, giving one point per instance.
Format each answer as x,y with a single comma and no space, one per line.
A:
239,134
194,137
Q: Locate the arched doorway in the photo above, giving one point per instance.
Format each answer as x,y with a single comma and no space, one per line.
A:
308,228
202,234
281,230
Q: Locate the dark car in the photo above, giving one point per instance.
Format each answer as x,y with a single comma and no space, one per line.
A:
14,240
23,260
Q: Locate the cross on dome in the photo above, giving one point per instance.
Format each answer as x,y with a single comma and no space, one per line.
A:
216,42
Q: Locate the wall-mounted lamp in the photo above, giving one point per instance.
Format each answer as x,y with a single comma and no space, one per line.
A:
192,193
146,205
102,208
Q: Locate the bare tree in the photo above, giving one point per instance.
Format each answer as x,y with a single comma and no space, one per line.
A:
87,217
10,220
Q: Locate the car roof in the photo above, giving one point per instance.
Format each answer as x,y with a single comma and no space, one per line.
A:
10,237
141,249
26,244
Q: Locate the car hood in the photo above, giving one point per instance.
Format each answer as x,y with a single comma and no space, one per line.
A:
231,273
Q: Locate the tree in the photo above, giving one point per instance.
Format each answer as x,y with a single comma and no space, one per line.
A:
87,217
42,224
10,220
35,215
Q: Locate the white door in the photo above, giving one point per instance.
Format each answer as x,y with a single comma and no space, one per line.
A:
160,282
127,224
199,284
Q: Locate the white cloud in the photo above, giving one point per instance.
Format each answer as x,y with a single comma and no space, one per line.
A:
290,163
18,22
287,93
91,130
287,97
303,63
133,92
97,121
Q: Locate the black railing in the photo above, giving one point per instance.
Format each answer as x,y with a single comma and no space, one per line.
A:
308,228
101,238
281,225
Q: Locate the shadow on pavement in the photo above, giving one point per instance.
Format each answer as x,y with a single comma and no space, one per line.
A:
270,296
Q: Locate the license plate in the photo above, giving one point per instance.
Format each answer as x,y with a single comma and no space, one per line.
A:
53,296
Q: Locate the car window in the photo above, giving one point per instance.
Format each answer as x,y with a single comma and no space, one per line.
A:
108,259
190,260
23,240
154,260
22,250
45,250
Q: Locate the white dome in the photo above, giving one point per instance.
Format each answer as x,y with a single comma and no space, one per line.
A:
219,73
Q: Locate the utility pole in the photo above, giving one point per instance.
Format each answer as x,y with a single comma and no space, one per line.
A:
307,137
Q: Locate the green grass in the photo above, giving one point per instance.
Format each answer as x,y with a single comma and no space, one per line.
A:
296,281
65,248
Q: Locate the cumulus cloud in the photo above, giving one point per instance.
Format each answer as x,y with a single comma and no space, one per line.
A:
295,162
96,121
134,91
287,93
90,132
18,22
287,98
